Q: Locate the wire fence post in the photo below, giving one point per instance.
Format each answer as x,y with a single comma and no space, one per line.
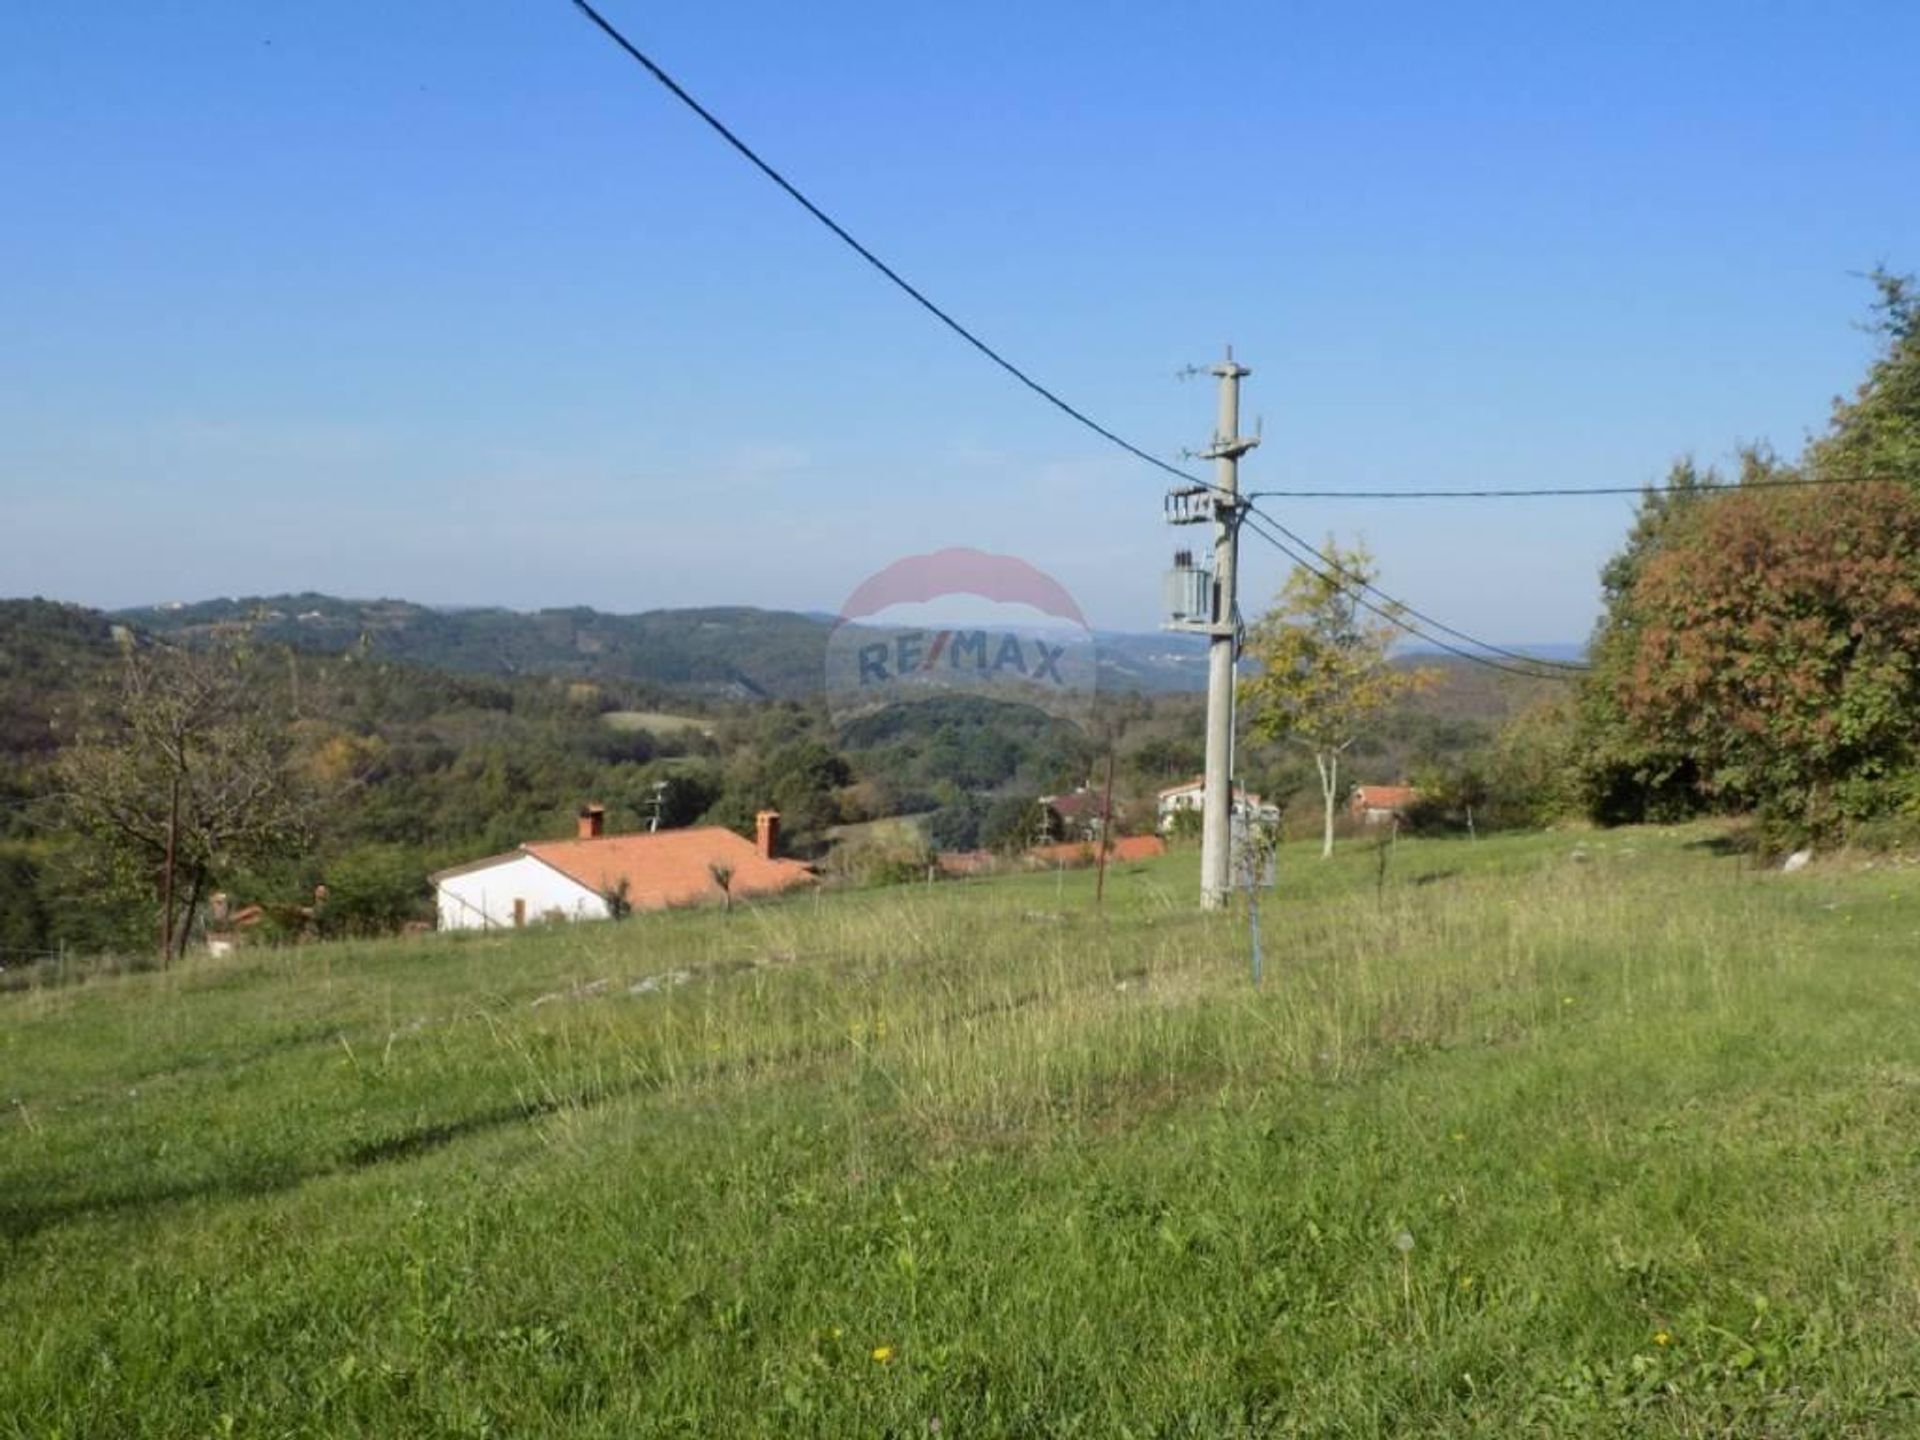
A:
1253,909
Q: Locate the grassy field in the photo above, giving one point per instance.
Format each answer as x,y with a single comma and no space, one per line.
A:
1551,1135
660,722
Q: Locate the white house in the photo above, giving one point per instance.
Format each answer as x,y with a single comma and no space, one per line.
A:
503,891
1191,795
574,879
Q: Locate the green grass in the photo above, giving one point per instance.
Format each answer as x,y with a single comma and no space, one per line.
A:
1069,1168
660,722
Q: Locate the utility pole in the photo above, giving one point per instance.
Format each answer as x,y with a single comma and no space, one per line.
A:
1106,831
1216,835
1215,612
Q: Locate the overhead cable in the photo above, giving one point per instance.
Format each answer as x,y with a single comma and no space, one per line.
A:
918,296
1568,491
1392,612
719,127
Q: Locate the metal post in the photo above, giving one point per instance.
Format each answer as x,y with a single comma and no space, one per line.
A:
1216,832
1106,832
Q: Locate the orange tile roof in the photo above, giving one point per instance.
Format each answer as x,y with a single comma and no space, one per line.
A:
965,862
1083,852
1384,797
669,867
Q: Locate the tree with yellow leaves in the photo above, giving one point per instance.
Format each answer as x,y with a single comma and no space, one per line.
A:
1324,673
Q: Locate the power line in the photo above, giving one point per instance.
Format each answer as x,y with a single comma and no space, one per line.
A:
840,232
1346,578
1357,581
1773,483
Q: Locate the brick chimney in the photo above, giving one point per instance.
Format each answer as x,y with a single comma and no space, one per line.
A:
593,821
766,833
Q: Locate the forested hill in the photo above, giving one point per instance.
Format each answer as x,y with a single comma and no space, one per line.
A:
734,651
723,652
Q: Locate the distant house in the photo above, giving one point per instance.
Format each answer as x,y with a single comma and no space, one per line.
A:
1191,795
1377,804
1080,814
573,879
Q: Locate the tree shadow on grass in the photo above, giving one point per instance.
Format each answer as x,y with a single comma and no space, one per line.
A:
1738,842
23,1217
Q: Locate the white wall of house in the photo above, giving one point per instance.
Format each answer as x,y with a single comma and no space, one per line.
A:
1188,797
1194,798
484,898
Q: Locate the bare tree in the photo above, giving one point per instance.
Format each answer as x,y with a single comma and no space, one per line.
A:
181,771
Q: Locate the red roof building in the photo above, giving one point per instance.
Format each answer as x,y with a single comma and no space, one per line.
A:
1085,852
1375,804
578,879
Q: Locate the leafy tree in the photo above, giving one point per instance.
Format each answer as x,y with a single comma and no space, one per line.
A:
374,890
1877,432
1625,774
1015,822
1324,675
689,792
1167,757
799,779
185,754
956,826
1535,766
1761,647
23,920
1776,643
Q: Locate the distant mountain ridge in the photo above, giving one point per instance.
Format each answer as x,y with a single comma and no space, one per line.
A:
732,651
737,651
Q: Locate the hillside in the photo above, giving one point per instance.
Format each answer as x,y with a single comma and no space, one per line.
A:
734,651
416,762
49,655
1631,1158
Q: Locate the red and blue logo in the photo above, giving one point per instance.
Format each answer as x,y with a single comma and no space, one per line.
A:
961,621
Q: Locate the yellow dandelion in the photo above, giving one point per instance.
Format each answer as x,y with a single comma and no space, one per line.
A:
1661,1337
883,1353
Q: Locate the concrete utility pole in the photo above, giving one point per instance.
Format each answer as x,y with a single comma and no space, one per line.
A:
1200,601
1216,833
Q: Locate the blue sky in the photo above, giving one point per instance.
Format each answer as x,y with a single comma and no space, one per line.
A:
450,302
